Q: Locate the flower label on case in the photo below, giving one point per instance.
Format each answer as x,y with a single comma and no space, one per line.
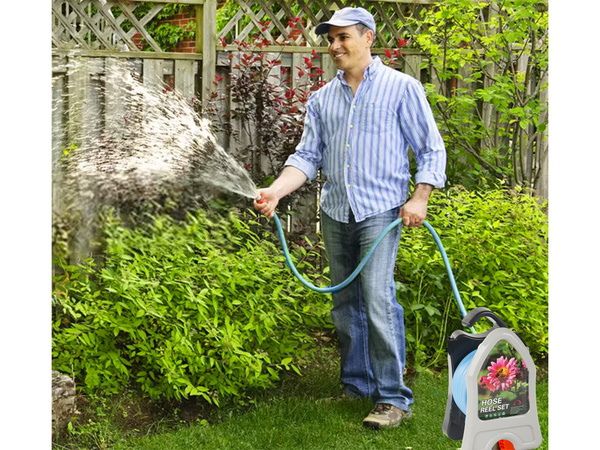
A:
503,384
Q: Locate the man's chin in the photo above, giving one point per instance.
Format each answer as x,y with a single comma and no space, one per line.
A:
338,63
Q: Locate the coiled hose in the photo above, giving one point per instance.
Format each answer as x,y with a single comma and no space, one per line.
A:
353,275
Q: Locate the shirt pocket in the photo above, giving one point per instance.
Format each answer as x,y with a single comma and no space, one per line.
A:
375,118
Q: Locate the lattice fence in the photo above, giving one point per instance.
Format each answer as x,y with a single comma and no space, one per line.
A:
101,25
273,20
101,28
112,25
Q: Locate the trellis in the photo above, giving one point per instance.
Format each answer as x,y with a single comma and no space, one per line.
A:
100,28
391,16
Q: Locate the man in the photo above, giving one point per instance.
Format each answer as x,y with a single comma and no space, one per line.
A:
357,129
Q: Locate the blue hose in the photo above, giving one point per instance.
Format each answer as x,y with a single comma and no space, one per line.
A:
353,275
459,382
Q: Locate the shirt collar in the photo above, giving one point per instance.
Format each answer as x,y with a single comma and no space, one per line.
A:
370,71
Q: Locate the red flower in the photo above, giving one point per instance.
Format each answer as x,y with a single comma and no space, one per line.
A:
308,62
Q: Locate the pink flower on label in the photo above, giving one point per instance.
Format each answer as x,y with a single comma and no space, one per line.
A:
502,373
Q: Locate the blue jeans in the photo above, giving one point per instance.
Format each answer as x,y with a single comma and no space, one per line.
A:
368,320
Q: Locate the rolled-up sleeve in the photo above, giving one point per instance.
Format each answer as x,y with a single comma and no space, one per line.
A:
309,152
421,131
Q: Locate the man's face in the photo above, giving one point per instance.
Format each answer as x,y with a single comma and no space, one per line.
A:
347,47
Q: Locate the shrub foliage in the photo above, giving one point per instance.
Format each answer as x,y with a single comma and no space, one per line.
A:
200,307
496,241
206,306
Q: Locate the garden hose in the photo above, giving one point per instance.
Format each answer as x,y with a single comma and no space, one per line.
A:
459,384
353,275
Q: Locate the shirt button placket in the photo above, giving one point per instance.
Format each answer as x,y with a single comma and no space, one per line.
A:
350,127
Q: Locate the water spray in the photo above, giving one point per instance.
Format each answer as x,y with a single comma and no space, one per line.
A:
146,139
491,391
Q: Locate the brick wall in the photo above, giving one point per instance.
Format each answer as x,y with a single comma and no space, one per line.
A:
187,45
188,15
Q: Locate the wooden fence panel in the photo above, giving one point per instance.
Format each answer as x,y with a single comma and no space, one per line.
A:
153,72
185,79
87,97
412,65
114,108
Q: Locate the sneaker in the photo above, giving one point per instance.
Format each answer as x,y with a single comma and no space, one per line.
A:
385,415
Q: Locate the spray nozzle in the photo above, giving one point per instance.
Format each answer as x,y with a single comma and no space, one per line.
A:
260,199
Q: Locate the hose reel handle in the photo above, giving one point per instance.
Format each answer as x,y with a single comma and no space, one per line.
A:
474,315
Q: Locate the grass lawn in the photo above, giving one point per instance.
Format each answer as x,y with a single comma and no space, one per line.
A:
295,418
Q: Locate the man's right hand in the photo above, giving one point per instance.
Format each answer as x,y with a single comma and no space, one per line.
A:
288,181
268,203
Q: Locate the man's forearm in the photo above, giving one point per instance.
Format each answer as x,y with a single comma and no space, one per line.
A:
288,181
422,192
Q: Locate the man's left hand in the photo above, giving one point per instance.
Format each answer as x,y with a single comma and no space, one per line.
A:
414,211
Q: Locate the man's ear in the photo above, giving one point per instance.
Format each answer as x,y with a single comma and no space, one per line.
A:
370,38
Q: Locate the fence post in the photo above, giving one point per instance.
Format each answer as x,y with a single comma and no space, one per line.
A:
206,43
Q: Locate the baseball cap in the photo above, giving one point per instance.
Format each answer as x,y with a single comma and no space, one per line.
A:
346,17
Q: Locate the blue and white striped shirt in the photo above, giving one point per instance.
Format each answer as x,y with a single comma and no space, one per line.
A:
361,142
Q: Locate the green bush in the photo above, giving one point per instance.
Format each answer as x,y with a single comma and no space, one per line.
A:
496,241
206,306
199,307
